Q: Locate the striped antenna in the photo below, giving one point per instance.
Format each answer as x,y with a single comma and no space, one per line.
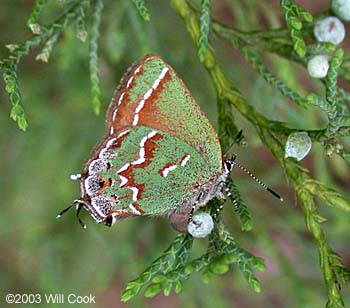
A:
79,205
59,215
232,161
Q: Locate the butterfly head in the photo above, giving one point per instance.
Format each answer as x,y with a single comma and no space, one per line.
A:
109,219
94,199
229,163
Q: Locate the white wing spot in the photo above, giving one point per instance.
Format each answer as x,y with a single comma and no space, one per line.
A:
140,106
91,185
134,209
129,81
185,160
116,111
110,142
148,94
166,170
126,166
152,134
121,98
122,133
159,79
97,165
139,161
156,84
123,180
114,114
135,192
136,119
137,70
142,152
143,141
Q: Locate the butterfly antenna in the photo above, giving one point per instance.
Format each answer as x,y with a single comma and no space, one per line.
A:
59,215
79,208
232,161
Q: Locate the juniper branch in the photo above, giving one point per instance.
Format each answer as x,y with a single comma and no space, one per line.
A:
227,127
161,264
142,9
34,16
8,66
235,41
204,29
273,134
81,25
94,69
240,206
291,13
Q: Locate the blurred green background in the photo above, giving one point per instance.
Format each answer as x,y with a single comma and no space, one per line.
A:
40,254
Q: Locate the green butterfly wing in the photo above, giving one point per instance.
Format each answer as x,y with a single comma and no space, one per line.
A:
151,171
152,95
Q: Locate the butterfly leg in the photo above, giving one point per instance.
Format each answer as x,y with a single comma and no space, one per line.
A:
229,187
228,192
194,206
219,209
221,197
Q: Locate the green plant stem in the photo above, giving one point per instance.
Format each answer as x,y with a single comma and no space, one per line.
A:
94,68
324,250
273,134
35,14
8,66
34,41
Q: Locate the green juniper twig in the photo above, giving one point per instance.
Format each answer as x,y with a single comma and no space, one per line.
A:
142,9
8,66
34,16
339,122
94,70
205,21
170,270
273,135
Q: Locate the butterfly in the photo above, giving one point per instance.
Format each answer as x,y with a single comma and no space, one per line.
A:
160,154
